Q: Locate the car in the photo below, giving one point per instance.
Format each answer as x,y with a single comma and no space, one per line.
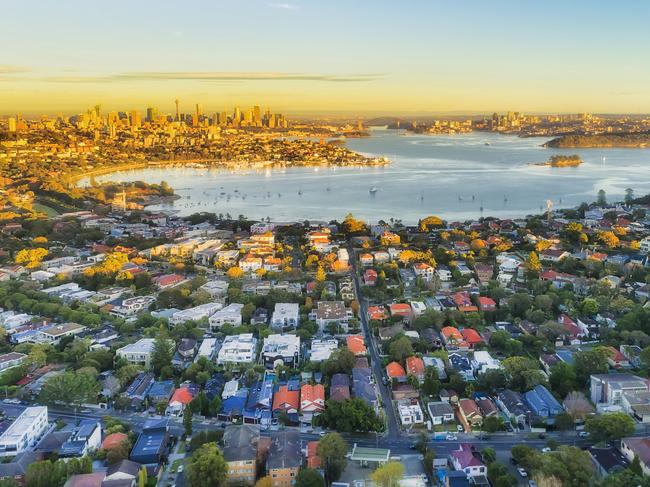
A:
583,434
531,483
322,433
413,446
179,469
451,437
546,450
460,428
522,472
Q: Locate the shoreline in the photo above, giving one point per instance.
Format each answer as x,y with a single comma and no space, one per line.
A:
214,164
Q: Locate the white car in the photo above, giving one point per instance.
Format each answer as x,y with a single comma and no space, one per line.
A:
180,469
546,450
460,428
451,437
522,472
583,434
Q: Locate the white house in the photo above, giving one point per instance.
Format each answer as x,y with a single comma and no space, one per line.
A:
24,432
138,353
196,313
285,316
230,315
238,349
410,413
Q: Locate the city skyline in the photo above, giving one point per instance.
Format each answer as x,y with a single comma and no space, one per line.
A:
311,58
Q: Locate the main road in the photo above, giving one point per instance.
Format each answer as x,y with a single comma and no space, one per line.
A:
393,429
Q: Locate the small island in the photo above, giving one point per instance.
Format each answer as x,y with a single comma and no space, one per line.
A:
563,161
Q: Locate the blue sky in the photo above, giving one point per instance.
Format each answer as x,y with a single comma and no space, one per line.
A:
327,56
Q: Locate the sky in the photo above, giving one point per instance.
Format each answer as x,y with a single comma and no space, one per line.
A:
357,57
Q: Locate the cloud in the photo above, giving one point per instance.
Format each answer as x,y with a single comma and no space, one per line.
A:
8,69
216,77
283,6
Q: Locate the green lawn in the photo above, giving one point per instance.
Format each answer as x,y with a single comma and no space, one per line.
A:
45,209
181,447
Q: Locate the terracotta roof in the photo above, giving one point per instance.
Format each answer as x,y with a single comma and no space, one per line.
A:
415,365
313,460
285,399
182,395
312,393
356,345
394,369
471,336
113,440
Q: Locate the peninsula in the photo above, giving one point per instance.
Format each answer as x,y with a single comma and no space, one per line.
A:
624,139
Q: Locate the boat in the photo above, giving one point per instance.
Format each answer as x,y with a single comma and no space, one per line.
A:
373,190
487,143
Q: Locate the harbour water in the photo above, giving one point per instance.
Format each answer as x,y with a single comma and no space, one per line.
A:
456,177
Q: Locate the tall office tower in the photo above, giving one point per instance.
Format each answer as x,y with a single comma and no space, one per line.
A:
195,120
12,124
97,109
223,119
257,116
152,114
237,115
272,122
176,101
215,119
135,119
248,117
199,110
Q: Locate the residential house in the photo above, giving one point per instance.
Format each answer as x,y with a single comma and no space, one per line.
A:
466,460
339,387
230,315
312,399
608,389
356,344
284,458
469,413
542,403
637,447
284,349
240,451
285,316
332,315
440,412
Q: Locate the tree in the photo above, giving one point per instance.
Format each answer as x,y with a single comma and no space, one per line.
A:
31,258
492,424
533,262
609,427
142,477
388,475
187,421
119,452
71,388
589,306
562,379
264,482
332,450
489,454
522,372
163,352
577,405
601,199
207,467
235,273
400,349
308,477
564,422
421,444
320,274
588,362
351,415
431,385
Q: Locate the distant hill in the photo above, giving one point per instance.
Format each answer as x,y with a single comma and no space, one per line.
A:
634,139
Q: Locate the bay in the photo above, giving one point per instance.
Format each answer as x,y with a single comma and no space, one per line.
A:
457,177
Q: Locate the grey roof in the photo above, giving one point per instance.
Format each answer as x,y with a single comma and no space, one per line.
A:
440,408
18,467
125,466
285,450
240,442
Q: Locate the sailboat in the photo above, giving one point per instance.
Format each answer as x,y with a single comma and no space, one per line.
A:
373,190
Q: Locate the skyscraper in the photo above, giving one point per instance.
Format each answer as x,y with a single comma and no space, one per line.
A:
176,101
257,116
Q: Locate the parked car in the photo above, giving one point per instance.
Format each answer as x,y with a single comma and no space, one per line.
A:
451,437
460,428
546,450
531,483
522,472
583,434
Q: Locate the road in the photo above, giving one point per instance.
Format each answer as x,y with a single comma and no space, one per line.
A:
393,428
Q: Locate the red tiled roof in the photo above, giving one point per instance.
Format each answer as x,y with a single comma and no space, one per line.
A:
415,365
356,345
182,395
394,369
285,399
113,440
471,336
